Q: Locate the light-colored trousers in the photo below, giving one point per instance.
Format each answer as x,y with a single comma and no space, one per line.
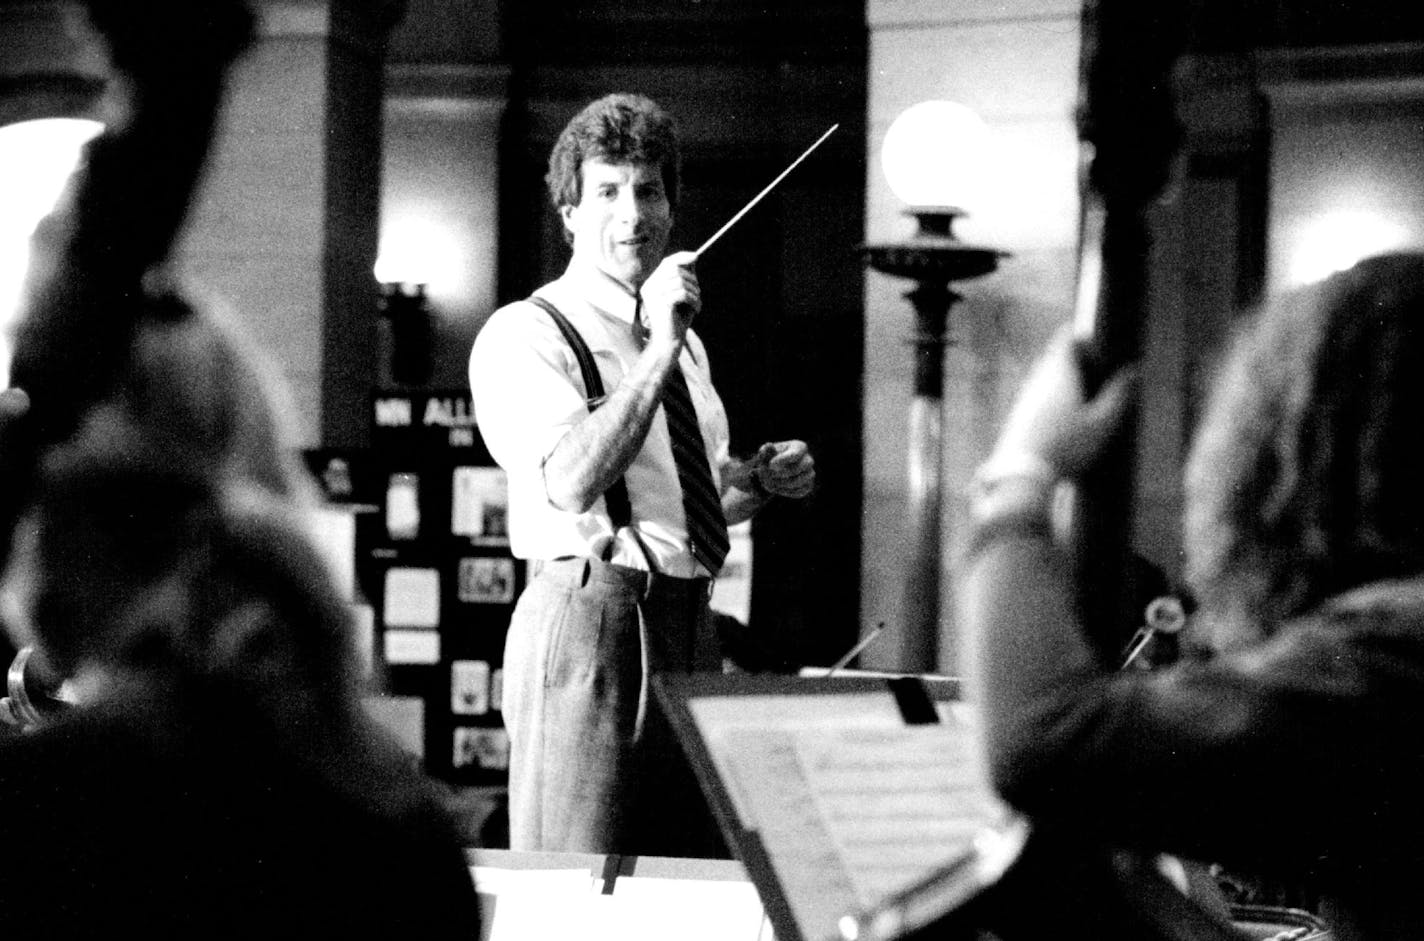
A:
594,766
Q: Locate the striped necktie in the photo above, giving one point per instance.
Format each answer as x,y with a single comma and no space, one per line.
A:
706,523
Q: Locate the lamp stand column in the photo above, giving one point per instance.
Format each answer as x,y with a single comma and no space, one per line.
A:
919,641
933,259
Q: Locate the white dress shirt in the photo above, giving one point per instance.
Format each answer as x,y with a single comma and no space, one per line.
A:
528,392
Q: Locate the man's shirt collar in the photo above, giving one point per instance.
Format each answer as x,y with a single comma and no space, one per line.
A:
605,294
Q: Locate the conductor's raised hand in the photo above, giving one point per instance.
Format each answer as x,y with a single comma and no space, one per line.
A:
671,298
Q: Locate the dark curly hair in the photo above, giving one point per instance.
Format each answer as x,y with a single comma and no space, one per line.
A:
621,128
1305,478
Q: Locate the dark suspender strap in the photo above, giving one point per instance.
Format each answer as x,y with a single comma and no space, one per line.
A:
592,381
619,509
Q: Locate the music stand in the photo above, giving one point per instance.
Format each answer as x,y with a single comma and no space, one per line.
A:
857,805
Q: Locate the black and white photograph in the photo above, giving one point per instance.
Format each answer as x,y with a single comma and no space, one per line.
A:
469,687
480,505
486,580
481,747
598,456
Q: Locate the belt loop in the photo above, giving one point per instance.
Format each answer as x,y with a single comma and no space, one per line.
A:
586,574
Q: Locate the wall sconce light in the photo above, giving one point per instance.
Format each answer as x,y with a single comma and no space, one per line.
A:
412,332
37,158
1335,240
933,157
53,75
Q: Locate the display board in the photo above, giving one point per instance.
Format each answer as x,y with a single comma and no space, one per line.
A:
432,562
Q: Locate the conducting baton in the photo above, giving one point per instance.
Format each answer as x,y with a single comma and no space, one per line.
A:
769,187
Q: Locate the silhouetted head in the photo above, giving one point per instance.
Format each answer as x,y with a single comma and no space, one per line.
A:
1306,477
176,502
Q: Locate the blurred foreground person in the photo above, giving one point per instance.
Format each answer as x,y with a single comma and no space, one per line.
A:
1288,743
213,774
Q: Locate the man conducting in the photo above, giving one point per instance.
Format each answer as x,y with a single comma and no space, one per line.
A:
595,397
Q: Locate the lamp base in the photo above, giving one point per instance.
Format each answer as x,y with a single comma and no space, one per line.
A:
934,253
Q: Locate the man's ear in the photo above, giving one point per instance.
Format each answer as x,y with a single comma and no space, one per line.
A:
566,213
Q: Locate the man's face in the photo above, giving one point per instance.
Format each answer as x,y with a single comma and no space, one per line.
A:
622,219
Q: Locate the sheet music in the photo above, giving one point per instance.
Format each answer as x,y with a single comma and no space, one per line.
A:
899,805
851,806
807,859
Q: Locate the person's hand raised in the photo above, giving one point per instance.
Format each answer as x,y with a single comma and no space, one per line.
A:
671,298
1053,420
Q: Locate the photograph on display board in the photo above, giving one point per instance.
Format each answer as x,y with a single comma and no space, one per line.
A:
497,688
486,580
469,687
479,505
403,506
485,748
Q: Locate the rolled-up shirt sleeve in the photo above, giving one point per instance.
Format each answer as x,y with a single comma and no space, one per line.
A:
525,388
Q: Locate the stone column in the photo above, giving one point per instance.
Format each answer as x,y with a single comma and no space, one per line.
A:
284,231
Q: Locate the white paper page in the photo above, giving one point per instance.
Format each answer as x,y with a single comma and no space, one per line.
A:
412,598
767,774
533,903
654,909
412,647
898,805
